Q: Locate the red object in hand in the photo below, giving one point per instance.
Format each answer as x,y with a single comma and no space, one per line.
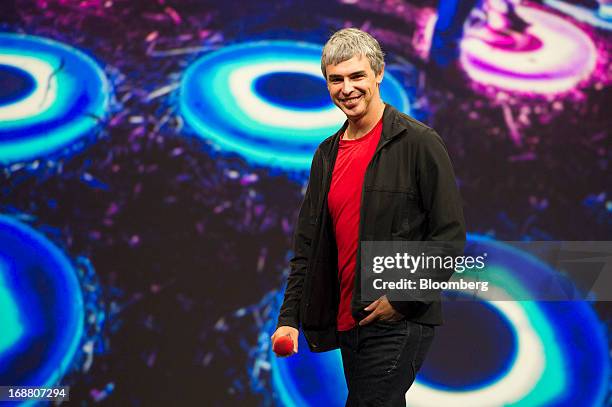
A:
283,346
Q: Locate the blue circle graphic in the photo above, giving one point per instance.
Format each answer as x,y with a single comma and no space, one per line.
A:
265,101
274,88
56,95
41,308
495,347
532,353
15,84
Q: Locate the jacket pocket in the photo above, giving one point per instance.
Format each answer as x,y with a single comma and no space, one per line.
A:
395,211
409,225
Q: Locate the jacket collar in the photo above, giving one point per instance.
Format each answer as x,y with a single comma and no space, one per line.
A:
391,126
390,130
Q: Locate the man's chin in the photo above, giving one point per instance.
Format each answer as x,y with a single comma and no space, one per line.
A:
353,113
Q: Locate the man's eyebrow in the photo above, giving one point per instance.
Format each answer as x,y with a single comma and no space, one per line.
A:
351,74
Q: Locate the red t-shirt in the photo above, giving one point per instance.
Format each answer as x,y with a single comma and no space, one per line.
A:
344,203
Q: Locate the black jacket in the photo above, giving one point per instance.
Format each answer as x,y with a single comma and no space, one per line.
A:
409,193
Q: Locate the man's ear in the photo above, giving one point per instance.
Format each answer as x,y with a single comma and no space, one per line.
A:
380,75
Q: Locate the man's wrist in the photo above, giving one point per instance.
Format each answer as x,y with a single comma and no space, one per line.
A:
292,322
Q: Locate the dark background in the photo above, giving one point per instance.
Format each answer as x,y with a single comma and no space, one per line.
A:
187,241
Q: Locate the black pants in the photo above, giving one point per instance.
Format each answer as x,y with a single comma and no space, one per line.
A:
381,361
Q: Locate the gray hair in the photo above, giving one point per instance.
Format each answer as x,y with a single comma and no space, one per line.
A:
349,42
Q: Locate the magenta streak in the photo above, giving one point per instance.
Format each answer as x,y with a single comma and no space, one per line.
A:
506,42
485,66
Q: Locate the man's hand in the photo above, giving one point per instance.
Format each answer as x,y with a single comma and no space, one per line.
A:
381,309
287,330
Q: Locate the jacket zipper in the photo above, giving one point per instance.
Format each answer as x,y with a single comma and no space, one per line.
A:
362,211
368,170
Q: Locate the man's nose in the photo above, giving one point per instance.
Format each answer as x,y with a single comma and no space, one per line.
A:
347,86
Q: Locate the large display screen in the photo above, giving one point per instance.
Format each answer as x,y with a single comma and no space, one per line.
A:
154,154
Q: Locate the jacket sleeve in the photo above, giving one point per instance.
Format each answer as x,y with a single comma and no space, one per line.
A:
302,240
445,227
439,193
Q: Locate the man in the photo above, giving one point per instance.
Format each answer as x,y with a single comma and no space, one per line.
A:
383,176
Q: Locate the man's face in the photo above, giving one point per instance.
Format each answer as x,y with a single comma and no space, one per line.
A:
353,85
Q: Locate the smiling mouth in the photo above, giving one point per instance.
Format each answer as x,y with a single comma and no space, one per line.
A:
349,100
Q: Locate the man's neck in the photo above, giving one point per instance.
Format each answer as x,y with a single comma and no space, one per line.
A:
362,126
